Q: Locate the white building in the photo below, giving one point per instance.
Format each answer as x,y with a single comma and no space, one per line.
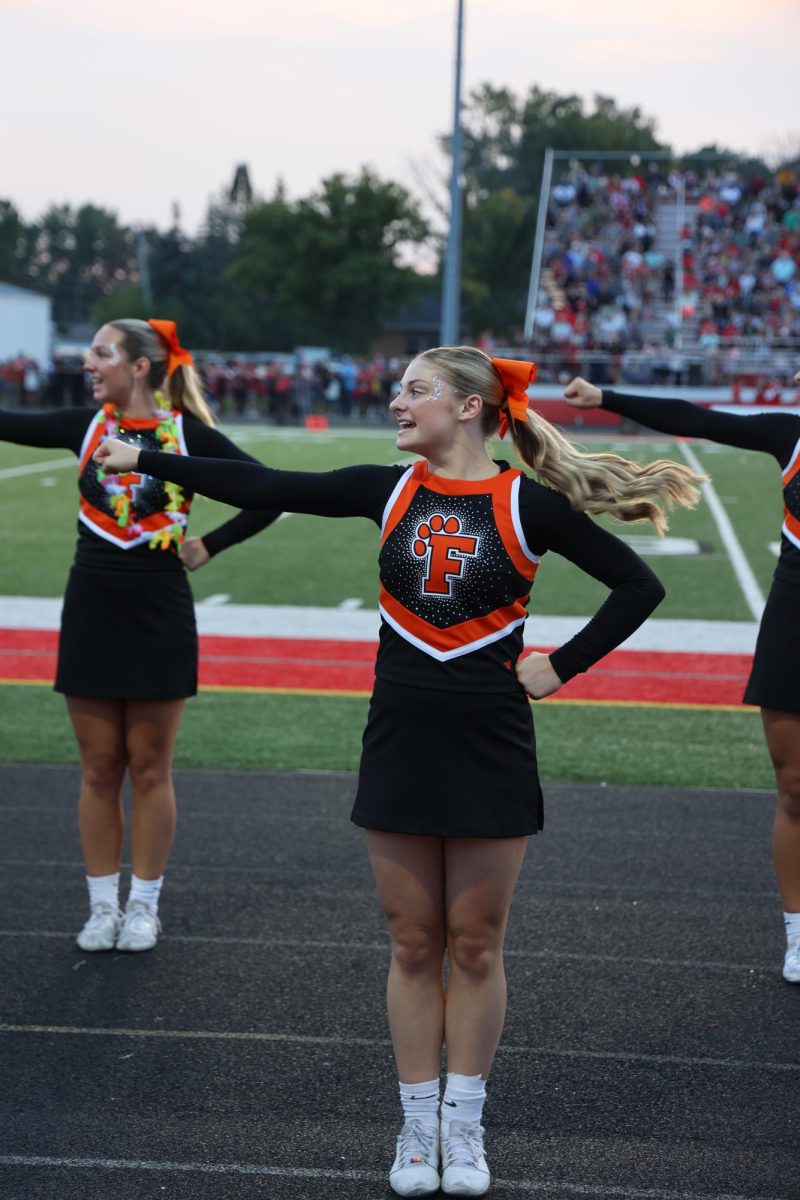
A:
26,324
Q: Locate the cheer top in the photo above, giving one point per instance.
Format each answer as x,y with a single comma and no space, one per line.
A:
131,509
791,498
132,522
457,560
776,433
438,537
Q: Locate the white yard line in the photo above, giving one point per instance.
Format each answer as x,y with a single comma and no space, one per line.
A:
346,624
301,1039
742,569
307,945
538,1187
52,464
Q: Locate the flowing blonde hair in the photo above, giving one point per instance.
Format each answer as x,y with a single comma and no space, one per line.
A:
182,388
595,483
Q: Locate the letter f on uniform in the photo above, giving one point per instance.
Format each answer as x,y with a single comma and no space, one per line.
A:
440,540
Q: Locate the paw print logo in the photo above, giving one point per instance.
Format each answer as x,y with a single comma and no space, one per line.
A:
445,548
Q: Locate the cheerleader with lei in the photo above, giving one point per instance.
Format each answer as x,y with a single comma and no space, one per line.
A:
128,591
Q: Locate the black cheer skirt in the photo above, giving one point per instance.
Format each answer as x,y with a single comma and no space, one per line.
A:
127,635
448,764
775,675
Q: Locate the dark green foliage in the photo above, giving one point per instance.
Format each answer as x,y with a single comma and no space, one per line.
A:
496,261
505,136
16,240
327,269
79,256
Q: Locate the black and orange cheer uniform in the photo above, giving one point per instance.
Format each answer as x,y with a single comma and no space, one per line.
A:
449,748
775,675
127,625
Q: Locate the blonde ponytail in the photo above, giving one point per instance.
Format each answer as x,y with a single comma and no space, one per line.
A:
604,483
594,483
183,391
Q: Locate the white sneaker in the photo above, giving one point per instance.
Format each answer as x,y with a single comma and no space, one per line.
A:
791,963
140,927
100,931
465,1171
415,1170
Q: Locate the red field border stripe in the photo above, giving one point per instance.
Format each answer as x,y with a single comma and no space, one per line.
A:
326,666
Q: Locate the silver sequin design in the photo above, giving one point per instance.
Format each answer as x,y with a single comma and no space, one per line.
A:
148,498
489,579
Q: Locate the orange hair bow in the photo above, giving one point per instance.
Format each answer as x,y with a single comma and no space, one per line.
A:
516,376
176,355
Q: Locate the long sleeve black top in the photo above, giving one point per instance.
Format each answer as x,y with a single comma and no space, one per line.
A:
66,429
363,491
775,433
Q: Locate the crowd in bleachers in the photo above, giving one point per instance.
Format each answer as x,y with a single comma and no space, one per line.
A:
621,276
649,276
602,273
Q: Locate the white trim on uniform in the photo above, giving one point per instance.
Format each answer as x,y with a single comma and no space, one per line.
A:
515,517
178,518
87,437
177,416
791,461
446,655
389,505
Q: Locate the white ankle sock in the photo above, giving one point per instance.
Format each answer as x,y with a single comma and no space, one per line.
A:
463,1100
103,888
420,1102
792,923
146,890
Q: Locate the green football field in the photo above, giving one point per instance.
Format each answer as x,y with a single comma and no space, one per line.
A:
311,561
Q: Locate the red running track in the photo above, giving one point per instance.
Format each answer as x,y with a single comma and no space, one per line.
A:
316,665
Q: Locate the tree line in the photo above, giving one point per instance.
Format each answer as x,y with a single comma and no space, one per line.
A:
331,268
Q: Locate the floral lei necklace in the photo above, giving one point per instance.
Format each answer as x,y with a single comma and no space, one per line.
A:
166,431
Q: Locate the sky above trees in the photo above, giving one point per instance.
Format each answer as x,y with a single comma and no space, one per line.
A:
140,109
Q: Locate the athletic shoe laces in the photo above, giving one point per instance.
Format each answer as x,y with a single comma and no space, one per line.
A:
463,1145
139,919
100,913
416,1143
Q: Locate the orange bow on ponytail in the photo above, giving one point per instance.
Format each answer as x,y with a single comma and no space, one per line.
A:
515,376
176,355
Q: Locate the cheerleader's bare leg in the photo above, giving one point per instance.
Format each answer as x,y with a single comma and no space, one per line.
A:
100,732
409,874
782,731
151,729
480,877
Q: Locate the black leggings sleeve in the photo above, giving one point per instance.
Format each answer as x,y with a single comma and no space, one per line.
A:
350,492
774,433
62,429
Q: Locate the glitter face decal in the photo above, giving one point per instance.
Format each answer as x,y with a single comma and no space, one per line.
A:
109,354
437,389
